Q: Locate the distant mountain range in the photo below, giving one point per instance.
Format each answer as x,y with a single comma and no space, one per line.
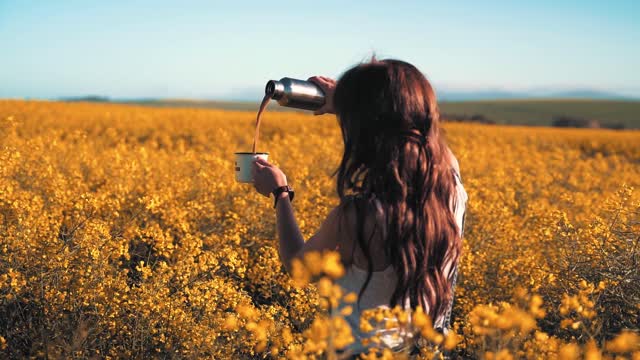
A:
475,95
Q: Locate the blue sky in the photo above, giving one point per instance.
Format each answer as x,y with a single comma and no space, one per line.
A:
228,49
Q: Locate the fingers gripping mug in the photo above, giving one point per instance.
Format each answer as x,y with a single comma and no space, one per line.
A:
244,163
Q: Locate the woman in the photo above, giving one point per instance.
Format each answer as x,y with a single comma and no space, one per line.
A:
399,224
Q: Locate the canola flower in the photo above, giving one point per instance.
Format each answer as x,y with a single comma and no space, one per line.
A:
124,235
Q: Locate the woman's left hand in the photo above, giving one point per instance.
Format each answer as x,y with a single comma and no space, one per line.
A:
267,177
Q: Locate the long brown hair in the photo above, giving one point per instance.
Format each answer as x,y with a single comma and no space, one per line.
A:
394,152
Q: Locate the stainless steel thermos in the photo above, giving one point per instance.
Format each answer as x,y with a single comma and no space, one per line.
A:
295,93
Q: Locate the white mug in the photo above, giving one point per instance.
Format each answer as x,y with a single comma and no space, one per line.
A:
244,162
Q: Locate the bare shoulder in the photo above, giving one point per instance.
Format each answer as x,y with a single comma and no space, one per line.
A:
340,221
337,232
345,222
340,226
372,233
340,214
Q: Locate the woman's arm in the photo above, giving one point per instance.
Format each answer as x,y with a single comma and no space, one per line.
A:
292,244
291,240
268,177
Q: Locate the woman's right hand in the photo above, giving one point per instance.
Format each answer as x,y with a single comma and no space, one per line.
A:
328,86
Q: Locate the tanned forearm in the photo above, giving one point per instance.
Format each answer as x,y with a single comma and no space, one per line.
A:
291,240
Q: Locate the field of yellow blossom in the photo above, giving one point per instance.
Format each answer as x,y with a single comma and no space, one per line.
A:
124,235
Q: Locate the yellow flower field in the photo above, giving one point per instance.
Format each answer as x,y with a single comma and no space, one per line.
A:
124,235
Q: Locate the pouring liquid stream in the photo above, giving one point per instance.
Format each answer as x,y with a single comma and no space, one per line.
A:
263,105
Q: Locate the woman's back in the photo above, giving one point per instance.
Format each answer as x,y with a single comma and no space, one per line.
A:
383,280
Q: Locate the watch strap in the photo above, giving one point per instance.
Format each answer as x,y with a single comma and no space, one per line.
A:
279,190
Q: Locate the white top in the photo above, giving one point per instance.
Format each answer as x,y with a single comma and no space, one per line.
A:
382,285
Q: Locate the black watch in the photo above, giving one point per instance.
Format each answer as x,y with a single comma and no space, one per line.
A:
279,190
